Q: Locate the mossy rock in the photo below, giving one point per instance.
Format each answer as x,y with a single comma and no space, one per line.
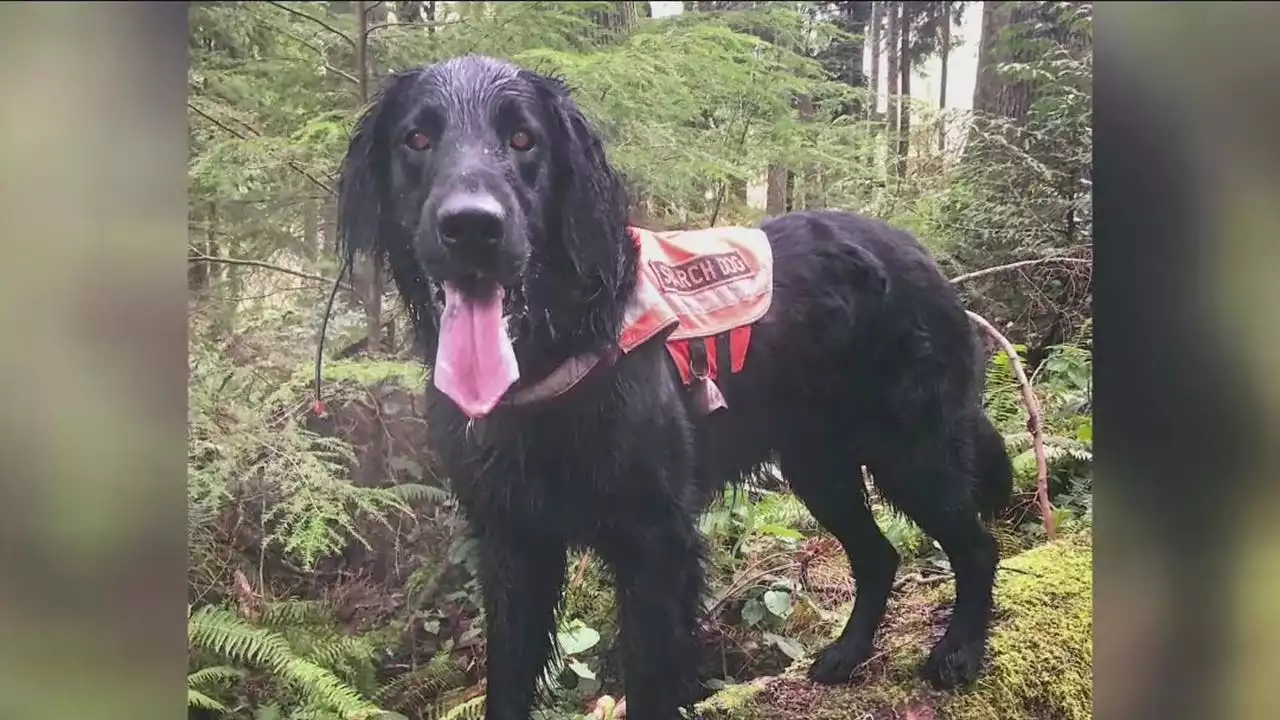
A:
1039,659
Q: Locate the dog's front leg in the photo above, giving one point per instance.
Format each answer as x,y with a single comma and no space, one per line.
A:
521,577
657,562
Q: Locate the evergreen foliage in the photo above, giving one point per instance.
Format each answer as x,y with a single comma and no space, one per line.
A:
329,577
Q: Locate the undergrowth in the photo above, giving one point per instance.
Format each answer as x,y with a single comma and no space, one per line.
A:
330,577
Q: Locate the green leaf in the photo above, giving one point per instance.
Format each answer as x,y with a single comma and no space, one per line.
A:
580,669
1085,432
753,612
789,647
778,602
577,638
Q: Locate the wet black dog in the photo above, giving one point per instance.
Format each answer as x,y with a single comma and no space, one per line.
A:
490,198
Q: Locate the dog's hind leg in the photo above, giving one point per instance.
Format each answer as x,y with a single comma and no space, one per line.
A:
522,576
928,475
829,482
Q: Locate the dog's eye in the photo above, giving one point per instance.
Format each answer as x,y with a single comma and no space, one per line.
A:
521,140
417,140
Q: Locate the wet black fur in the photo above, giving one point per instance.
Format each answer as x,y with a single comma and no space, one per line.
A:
866,357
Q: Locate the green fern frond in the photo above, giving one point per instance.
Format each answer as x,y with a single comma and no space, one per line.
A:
350,656
223,633
423,685
227,635
414,493
294,613
786,510
206,677
472,709
200,701
1025,461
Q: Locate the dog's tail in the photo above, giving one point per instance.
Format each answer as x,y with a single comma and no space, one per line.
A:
992,468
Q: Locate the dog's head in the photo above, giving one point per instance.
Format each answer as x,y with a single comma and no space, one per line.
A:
488,194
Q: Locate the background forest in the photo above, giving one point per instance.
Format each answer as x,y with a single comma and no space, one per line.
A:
328,574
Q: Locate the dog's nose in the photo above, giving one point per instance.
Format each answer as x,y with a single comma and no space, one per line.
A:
471,219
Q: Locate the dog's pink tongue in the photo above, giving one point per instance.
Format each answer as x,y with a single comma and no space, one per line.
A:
475,363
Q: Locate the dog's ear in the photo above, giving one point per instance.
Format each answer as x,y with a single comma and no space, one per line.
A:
362,178
362,226
591,200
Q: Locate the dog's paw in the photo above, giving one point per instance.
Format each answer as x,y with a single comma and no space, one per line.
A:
837,664
951,665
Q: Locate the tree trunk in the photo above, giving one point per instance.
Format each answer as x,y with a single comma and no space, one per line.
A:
843,58
811,182
904,106
311,228
992,95
410,11
892,78
614,22
776,191
945,49
198,273
373,266
877,47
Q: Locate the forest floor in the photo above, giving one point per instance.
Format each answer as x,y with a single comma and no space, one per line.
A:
1039,660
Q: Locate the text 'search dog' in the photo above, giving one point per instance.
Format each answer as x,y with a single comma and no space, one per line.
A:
595,385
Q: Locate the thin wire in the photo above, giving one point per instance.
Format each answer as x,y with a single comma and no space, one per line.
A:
324,326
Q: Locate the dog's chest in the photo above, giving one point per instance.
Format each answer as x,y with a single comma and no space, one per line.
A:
552,474
577,475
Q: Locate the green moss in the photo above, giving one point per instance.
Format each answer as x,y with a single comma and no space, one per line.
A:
1039,662
1042,646
731,702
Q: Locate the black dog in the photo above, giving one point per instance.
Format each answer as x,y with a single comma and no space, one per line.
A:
490,198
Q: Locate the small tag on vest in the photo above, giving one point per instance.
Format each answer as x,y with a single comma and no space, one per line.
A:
707,397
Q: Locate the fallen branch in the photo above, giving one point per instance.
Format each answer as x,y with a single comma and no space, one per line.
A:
265,266
1035,422
1015,265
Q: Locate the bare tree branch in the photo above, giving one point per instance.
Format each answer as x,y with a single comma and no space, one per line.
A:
1035,421
201,257
316,20
293,165
1014,266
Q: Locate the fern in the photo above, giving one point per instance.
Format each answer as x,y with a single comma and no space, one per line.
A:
786,510
222,633
424,685
293,612
412,494
472,709
200,701
207,680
